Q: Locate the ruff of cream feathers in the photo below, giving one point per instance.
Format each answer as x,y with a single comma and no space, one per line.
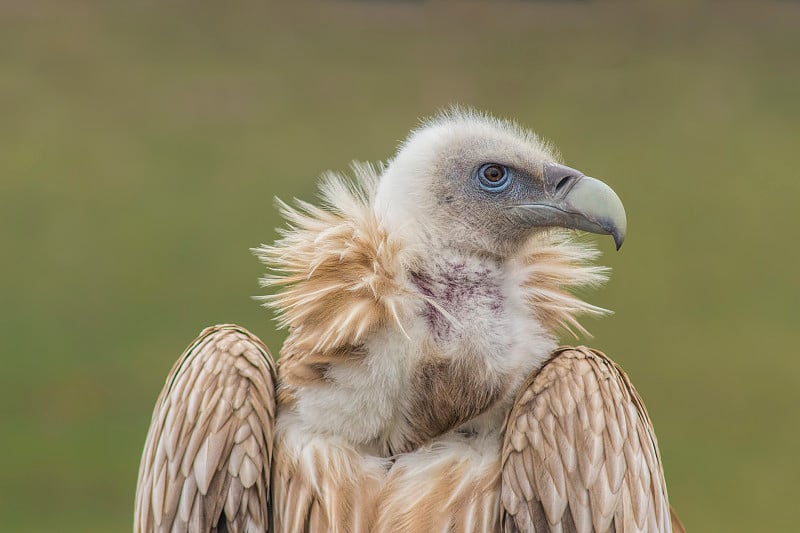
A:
338,269
340,274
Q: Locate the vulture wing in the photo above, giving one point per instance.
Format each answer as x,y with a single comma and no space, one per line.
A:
206,461
580,453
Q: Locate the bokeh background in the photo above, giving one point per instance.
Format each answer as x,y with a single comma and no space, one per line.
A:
141,146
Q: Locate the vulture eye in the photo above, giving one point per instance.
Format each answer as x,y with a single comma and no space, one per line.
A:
493,177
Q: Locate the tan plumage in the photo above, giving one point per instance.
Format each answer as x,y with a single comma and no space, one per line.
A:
328,253
417,305
209,447
450,485
325,488
581,428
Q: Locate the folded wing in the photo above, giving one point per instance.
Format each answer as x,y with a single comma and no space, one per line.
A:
580,453
206,462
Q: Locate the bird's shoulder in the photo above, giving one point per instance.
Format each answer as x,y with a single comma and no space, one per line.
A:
580,449
209,448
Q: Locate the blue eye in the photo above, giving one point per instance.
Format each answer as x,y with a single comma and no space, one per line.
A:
493,177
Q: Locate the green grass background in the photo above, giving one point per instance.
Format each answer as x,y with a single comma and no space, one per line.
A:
141,146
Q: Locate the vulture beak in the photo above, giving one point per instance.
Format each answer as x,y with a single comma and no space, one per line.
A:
572,200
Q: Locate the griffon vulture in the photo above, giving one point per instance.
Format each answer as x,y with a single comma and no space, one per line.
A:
421,387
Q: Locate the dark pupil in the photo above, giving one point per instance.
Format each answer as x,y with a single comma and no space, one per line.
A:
493,173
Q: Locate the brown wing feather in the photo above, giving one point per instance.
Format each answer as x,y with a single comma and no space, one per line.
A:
206,460
580,453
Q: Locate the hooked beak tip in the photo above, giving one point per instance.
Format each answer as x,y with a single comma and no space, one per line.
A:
618,240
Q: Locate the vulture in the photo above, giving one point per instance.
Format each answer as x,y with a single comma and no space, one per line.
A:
421,387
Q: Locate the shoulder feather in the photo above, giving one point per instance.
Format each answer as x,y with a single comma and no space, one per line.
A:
207,457
580,452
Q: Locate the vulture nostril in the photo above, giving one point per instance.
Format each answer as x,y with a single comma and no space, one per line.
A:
563,182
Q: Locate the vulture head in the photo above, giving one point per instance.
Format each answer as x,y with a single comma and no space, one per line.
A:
484,185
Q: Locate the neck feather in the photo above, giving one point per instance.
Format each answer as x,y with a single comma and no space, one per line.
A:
340,274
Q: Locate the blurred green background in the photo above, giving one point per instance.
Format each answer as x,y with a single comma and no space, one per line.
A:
141,146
